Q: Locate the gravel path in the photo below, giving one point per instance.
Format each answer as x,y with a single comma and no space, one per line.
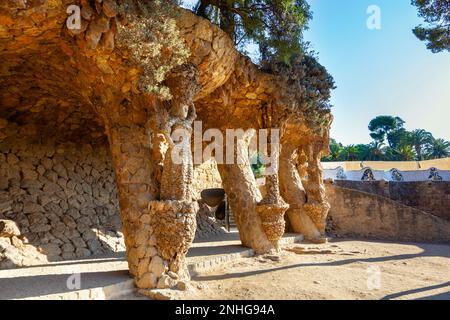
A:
342,269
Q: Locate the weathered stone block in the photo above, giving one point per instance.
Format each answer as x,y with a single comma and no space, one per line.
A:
50,249
157,266
147,281
166,282
8,228
79,243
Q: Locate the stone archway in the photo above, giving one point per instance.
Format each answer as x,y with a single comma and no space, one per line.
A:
52,72
55,161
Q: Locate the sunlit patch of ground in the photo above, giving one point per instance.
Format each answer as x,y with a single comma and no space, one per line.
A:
341,269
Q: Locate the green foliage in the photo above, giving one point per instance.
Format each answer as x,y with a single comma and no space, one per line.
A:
335,150
276,26
420,138
257,165
306,88
403,145
148,30
386,127
350,153
436,33
405,153
438,148
375,151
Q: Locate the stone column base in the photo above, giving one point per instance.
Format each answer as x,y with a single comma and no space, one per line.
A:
272,219
317,212
172,224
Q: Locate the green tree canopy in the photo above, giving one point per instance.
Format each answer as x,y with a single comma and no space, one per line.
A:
419,139
404,145
436,33
349,153
257,164
376,151
404,153
386,127
335,149
438,148
275,25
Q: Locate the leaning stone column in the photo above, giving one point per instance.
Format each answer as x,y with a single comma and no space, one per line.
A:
293,192
130,151
172,218
157,211
243,196
272,208
316,206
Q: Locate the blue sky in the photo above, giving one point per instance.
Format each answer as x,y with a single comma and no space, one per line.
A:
387,71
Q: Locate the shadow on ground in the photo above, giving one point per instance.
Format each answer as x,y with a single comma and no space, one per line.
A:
52,278
31,286
440,296
428,250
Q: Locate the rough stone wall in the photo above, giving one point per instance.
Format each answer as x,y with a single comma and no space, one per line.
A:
206,176
212,51
380,188
63,198
13,250
358,214
432,197
62,195
429,196
206,223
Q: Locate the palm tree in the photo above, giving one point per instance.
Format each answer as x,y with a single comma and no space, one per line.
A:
438,148
335,150
363,152
419,138
376,150
349,153
405,153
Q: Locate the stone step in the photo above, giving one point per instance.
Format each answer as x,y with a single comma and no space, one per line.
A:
213,262
111,292
107,278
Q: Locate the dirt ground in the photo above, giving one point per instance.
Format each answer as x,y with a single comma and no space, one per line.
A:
340,269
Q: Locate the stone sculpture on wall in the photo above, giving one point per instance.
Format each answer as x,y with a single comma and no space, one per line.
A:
341,174
396,175
368,175
434,175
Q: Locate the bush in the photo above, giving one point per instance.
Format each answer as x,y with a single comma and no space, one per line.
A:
148,30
